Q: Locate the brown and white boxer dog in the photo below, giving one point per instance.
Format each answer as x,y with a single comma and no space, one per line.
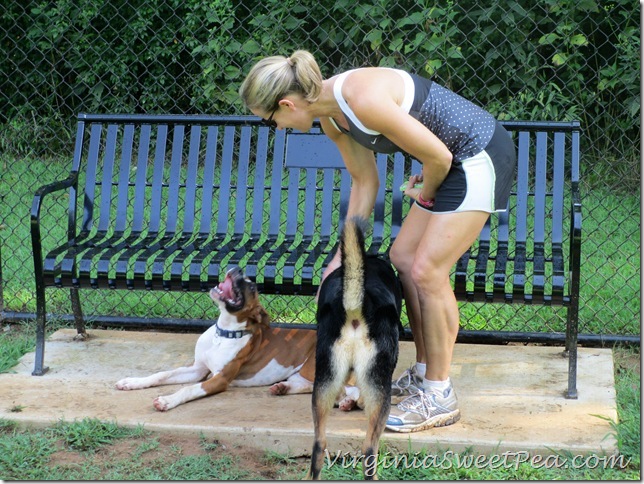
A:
241,349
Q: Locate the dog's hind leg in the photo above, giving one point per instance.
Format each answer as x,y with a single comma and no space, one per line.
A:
293,384
374,381
377,411
322,403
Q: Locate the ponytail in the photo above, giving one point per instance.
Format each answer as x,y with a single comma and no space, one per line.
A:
274,77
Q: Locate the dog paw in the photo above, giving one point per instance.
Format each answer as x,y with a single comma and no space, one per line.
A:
161,404
347,404
126,384
280,388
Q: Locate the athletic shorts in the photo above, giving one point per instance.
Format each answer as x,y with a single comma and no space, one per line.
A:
481,182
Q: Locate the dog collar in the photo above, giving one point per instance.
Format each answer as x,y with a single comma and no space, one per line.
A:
225,333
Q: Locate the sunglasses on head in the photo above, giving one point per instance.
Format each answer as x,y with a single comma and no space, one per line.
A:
269,122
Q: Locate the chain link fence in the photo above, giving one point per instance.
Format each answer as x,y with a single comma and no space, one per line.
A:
543,60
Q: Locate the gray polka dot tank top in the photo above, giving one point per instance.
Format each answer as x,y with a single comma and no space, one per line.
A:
464,127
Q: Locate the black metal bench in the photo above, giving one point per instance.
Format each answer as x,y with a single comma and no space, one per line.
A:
169,202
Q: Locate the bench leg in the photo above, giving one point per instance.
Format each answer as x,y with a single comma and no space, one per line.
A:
572,327
79,321
39,365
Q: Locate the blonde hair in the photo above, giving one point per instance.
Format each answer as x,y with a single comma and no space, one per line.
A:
274,77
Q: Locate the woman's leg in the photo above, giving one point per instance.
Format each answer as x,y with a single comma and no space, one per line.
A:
402,255
446,238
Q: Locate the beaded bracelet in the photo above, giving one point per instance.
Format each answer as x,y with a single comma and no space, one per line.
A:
425,203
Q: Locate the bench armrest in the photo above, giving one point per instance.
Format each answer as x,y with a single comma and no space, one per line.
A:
575,209
41,192
575,245
576,199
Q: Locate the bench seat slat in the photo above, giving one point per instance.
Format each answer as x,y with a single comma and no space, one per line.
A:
225,183
400,176
521,229
133,244
480,268
123,195
209,164
460,277
192,184
309,203
138,211
253,261
241,193
559,180
540,192
501,262
275,212
326,206
259,188
105,192
156,190
378,230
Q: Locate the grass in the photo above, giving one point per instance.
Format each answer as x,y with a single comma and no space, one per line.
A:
90,449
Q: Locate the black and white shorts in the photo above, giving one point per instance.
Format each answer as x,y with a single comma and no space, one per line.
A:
481,182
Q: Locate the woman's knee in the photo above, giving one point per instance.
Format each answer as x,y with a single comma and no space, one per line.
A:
429,276
401,259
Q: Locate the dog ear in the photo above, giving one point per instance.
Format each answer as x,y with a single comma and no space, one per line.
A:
265,319
260,316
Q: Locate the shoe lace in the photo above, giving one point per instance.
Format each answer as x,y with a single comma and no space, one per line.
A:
421,403
405,380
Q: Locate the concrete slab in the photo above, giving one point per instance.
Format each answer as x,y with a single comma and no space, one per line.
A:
511,399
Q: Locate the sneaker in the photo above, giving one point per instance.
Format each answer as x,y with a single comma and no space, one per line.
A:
407,384
426,409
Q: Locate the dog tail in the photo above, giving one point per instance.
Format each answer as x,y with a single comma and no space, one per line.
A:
353,261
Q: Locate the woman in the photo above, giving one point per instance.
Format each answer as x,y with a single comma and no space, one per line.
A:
468,162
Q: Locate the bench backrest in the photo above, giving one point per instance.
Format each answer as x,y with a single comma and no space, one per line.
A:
226,185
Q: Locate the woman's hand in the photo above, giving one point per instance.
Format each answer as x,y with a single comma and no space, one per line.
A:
333,265
411,190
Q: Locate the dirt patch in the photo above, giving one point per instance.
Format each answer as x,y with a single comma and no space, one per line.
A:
156,447
65,458
626,360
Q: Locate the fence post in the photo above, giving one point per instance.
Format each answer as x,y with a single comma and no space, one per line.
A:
1,298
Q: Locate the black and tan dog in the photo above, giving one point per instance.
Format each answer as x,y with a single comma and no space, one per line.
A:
358,320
